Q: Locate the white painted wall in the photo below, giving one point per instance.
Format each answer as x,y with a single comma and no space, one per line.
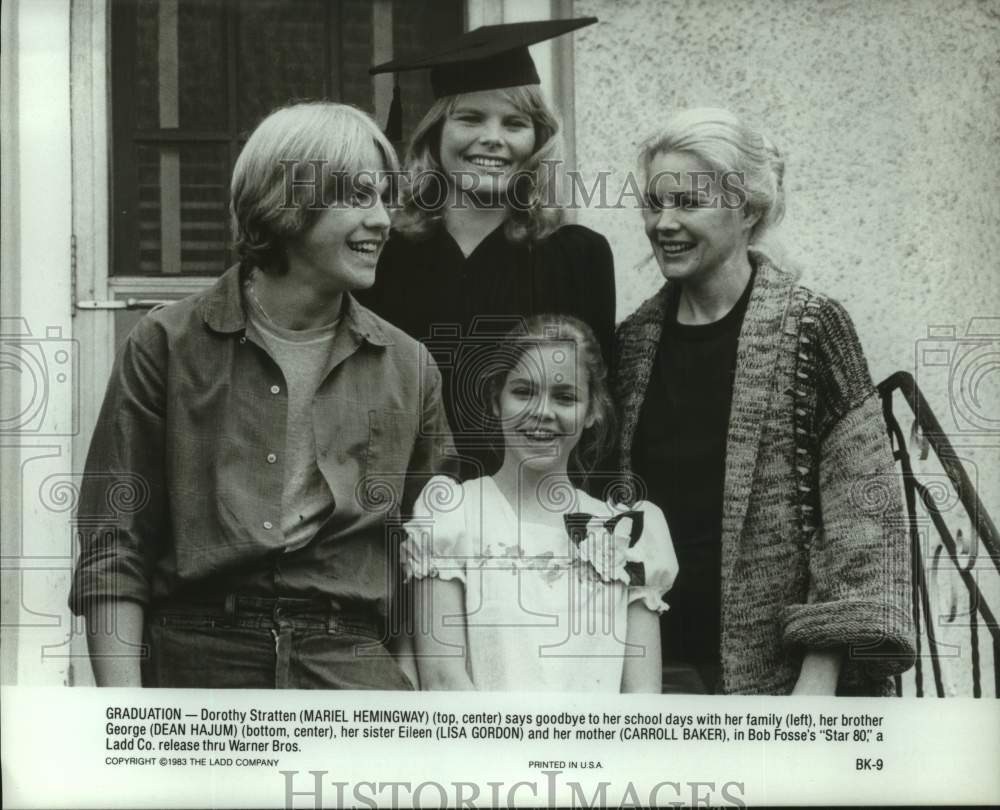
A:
40,356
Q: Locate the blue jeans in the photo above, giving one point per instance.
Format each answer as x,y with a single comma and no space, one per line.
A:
249,642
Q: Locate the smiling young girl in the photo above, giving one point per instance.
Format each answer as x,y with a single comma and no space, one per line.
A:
524,582
480,240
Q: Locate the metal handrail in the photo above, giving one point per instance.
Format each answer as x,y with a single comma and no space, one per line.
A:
971,586
930,429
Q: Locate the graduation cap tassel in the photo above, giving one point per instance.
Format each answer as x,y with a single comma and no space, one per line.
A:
394,121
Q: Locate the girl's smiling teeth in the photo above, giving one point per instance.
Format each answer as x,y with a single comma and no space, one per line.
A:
485,162
539,434
368,246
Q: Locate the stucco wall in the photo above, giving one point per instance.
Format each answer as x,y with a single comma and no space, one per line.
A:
889,116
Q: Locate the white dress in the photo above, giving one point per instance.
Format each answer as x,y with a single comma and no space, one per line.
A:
542,611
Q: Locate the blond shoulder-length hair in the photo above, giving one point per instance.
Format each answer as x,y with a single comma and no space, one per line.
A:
538,213
296,162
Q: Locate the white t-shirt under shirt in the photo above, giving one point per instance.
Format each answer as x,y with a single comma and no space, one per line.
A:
302,356
539,615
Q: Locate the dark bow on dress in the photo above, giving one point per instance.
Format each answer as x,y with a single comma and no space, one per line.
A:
579,525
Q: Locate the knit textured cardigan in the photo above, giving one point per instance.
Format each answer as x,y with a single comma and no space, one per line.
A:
814,544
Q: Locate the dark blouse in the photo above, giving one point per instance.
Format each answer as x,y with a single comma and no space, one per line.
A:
460,306
680,453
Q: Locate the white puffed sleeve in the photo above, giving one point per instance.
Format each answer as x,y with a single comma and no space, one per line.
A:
655,550
437,538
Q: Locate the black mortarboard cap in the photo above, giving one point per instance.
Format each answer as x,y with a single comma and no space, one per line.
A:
487,58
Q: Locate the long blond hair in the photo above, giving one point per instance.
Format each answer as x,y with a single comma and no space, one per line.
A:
537,218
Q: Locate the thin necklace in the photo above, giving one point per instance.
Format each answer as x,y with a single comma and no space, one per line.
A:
250,287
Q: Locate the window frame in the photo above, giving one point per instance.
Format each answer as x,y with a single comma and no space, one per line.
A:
126,137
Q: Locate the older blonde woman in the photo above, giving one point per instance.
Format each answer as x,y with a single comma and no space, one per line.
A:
750,418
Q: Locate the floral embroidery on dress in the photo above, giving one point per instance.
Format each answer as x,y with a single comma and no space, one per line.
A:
514,559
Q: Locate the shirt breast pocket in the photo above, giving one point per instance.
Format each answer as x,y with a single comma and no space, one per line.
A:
370,448
390,444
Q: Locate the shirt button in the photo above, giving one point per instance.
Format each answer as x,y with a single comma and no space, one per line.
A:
271,458
275,389
268,524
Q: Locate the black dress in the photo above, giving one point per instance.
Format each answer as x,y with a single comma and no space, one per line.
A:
460,306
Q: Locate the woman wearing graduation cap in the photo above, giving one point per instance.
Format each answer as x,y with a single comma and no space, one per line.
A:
479,244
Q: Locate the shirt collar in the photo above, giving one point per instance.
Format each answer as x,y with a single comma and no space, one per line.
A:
222,307
222,310
364,323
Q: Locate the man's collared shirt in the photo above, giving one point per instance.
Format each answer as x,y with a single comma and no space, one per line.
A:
182,492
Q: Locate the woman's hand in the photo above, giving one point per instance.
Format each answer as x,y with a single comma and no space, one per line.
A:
819,673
